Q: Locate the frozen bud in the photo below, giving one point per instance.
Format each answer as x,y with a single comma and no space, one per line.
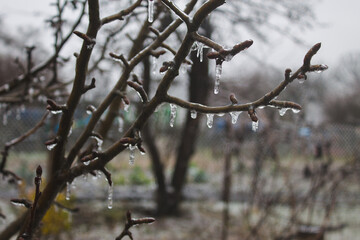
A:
233,99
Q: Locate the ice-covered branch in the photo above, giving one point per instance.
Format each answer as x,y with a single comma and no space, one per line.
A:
130,222
182,15
120,15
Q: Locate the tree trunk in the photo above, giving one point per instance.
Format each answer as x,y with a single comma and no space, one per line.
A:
199,88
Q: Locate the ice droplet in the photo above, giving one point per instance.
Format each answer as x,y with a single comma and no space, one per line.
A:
301,81
99,141
86,163
282,111
172,114
220,114
234,117
110,197
193,114
132,154
209,120
322,68
68,189
150,11
54,112
51,146
120,124
70,131
255,126
294,110
17,204
90,45
88,112
218,71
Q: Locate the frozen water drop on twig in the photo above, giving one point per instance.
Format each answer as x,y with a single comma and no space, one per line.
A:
234,117
150,11
51,146
200,51
294,110
282,111
54,112
68,189
209,120
99,141
255,126
193,114
110,196
172,114
218,72
132,154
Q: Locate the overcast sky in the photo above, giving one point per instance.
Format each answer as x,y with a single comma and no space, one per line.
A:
339,35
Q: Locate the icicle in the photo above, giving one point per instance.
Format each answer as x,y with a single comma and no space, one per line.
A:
132,154
234,117
154,65
68,189
193,114
209,120
255,126
172,114
282,111
150,11
195,46
110,196
51,146
200,51
218,71
120,124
